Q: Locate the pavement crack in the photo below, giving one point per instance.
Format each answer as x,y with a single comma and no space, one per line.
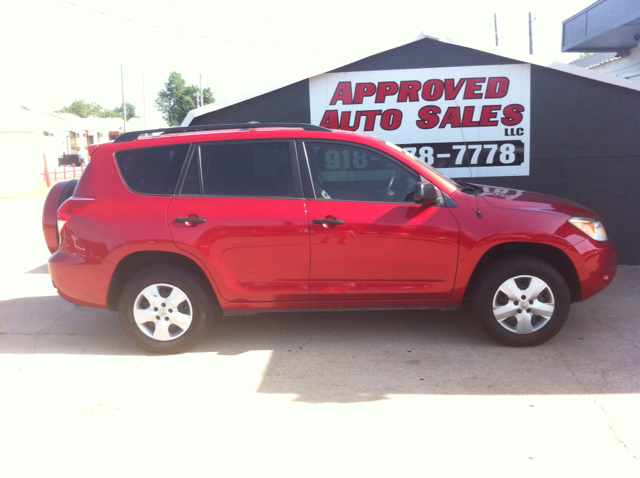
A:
618,332
613,431
570,369
35,344
62,316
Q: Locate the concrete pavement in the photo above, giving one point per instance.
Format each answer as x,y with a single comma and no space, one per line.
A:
314,394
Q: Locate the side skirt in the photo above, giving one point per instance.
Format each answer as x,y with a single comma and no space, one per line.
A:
231,313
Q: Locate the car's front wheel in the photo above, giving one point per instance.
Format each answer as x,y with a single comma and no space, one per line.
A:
163,309
521,301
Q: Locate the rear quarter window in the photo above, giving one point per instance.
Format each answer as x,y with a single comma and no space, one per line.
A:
152,170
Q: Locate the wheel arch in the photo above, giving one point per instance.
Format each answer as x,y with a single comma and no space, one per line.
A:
136,261
550,254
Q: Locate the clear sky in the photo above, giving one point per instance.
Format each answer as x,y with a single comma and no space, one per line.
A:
56,51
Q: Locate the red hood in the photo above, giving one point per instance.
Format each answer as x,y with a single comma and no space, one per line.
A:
506,198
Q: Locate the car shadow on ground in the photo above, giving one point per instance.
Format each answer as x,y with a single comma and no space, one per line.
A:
43,269
356,356
360,356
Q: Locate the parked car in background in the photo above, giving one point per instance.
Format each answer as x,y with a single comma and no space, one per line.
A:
71,160
171,227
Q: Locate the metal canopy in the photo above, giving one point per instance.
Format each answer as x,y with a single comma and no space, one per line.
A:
607,25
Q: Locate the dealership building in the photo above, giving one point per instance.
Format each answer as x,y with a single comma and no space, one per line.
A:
484,118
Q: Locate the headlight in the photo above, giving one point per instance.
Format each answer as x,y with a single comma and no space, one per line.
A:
591,227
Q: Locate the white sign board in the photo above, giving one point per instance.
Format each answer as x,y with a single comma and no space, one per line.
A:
466,121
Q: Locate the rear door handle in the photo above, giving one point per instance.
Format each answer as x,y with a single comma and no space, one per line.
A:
328,221
190,219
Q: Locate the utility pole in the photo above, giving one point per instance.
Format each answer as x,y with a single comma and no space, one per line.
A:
124,105
495,26
530,36
201,97
144,103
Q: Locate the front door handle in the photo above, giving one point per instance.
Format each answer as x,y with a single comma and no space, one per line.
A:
190,220
328,221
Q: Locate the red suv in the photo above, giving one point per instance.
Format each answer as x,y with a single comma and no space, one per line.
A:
170,226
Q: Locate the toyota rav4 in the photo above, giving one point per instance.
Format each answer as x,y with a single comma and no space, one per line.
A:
173,227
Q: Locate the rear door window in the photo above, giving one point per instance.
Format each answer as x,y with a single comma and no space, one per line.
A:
261,169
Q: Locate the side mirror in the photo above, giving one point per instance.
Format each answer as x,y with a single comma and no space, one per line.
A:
425,193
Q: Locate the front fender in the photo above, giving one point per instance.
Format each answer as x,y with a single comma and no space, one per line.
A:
501,228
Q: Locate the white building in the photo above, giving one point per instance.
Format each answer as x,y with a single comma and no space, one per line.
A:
27,138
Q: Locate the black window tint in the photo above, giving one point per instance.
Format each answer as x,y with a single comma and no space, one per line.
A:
152,170
247,169
191,183
345,172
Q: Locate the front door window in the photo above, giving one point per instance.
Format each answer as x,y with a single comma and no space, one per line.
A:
350,173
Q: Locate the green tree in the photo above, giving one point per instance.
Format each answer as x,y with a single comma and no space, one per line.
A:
79,108
84,109
97,111
177,99
131,111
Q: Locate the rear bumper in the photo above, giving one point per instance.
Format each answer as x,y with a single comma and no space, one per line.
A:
81,280
596,263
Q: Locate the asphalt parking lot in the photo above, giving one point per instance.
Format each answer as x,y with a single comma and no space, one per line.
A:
315,394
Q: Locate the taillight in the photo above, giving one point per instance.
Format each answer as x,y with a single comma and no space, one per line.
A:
71,208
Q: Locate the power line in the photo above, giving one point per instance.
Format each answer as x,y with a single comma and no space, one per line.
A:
199,35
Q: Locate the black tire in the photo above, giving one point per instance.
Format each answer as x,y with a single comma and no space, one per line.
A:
168,331
521,301
67,192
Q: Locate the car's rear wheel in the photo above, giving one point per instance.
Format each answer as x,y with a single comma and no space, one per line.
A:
521,301
164,309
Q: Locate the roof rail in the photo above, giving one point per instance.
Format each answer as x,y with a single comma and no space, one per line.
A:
133,135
